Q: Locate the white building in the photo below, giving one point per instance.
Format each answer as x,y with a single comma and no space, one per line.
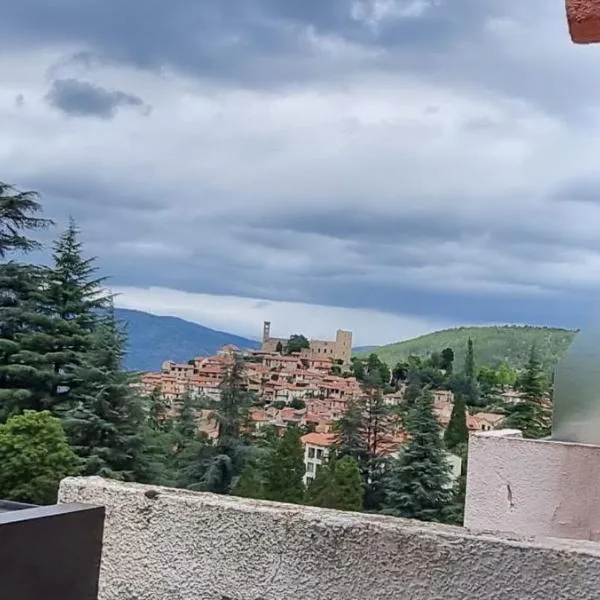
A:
316,452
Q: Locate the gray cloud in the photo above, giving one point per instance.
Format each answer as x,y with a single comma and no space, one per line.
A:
84,99
585,189
316,153
269,42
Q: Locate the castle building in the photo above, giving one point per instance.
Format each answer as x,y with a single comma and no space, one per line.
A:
338,349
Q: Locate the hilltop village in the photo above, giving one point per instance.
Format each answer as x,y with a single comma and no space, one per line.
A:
303,383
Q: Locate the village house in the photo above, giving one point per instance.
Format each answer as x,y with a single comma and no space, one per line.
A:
316,452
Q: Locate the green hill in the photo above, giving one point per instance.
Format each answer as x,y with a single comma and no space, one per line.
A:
492,345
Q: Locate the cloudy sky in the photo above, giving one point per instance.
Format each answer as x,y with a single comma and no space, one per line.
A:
392,166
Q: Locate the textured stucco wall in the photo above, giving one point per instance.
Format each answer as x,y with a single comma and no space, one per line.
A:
186,546
533,487
584,20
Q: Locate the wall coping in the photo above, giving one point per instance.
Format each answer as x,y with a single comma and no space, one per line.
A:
167,543
326,516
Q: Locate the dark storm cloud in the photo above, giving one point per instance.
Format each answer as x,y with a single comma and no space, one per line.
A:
84,99
364,224
264,42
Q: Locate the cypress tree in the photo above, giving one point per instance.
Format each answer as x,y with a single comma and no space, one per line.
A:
469,369
468,384
419,482
457,432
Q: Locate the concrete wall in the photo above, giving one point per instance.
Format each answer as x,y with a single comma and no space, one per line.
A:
533,487
177,545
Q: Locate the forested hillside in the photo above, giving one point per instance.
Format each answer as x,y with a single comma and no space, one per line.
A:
509,344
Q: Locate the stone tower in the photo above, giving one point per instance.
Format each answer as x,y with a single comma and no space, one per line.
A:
266,330
343,346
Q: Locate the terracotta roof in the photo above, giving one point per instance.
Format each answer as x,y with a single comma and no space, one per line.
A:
318,439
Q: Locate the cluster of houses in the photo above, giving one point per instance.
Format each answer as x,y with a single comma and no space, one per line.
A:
279,382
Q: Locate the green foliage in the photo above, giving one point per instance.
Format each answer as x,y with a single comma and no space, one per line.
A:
455,512
278,404
492,380
251,481
357,368
298,404
296,343
457,432
284,469
493,345
400,372
26,337
35,457
531,416
338,485
418,484
377,372
447,360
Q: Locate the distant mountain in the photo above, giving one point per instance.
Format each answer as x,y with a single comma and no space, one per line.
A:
364,349
154,339
492,345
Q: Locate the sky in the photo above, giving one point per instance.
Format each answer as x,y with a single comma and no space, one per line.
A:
388,166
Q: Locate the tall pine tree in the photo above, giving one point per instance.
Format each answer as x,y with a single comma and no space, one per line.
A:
73,297
24,332
223,463
105,422
284,469
530,415
419,483
19,215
